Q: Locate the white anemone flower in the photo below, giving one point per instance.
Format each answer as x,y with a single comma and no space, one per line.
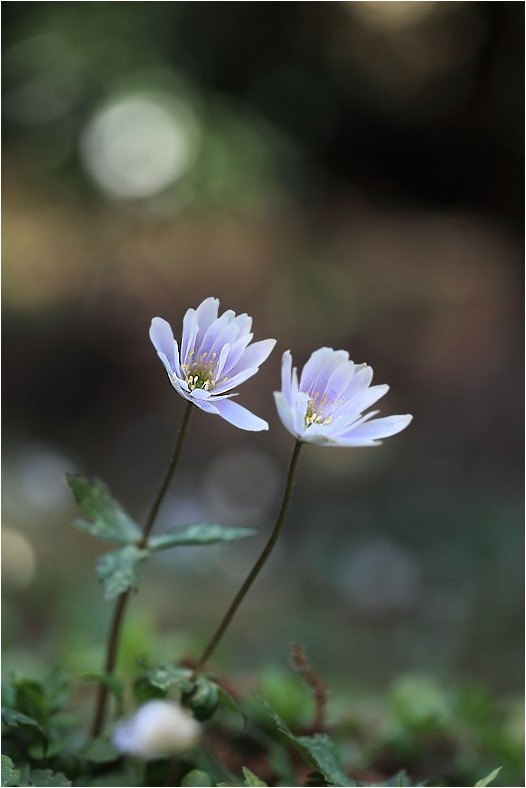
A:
215,357
326,406
158,729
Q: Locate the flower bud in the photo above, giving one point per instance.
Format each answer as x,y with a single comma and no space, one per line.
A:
158,729
203,699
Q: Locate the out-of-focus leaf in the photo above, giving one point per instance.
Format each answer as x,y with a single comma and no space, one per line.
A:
318,750
228,702
107,518
197,778
251,779
10,774
163,676
99,751
117,570
45,777
489,779
14,719
198,535
114,685
144,691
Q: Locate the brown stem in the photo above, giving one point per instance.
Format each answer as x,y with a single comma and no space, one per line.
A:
227,618
120,607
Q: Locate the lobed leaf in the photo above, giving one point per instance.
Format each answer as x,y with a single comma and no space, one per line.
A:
198,535
10,774
45,777
107,518
196,777
117,570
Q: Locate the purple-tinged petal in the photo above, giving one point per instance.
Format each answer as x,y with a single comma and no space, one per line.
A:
231,383
206,313
350,410
190,331
239,416
244,322
162,338
377,429
236,352
300,411
286,376
284,412
255,355
316,378
362,378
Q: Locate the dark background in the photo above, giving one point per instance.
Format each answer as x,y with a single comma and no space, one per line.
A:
350,174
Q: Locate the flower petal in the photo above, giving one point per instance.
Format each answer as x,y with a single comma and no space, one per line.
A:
190,332
239,416
284,412
206,313
255,355
230,383
368,433
162,338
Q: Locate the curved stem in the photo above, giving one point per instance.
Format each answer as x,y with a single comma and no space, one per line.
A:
227,618
120,607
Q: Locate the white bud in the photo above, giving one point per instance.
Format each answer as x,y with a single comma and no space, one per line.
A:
158,729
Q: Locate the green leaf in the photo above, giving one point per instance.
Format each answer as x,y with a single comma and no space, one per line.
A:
228,702
318,750
163,676
99,751
14,719
107,518
198,535
114,685
196,777
117,570
10,775
203,698
251,779
489,779
45,777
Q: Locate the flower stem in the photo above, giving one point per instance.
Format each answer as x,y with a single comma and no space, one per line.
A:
120,607
227,618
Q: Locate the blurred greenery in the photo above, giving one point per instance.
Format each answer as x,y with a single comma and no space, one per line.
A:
350,174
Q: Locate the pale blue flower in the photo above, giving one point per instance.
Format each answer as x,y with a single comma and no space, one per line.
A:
158,729
326,405
215,357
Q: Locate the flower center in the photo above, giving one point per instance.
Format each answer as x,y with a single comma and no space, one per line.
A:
201,373
315,410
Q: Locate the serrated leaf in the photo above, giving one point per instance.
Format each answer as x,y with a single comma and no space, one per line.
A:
251,779
196,778
10,774
198,535
318,750
117,570
163,676
45,777
107,518
489,779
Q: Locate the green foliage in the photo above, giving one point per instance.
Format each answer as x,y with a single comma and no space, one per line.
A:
318,750
488,779
10,775
117,570
45,777
251,779
99,751
114,685
198,535
203,698
106,518
196,777
163,676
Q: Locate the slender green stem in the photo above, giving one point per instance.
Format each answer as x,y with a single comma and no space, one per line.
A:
227,618
120,607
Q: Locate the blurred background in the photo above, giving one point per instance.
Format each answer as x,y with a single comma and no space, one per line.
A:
348,173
